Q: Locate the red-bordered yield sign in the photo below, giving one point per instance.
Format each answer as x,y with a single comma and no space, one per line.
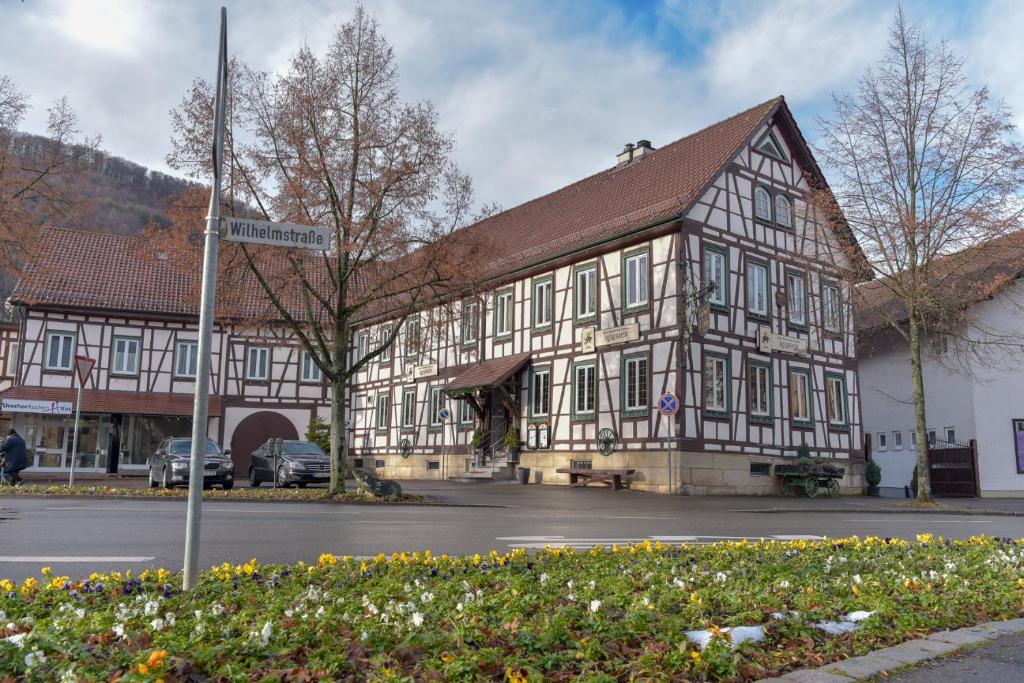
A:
83,368
668,404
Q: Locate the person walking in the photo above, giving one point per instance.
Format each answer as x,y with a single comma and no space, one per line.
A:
15,457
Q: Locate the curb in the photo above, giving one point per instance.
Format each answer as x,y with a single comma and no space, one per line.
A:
262,501
912,652
890,511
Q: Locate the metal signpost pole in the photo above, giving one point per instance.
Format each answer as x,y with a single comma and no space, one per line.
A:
74,439
200,409
671,488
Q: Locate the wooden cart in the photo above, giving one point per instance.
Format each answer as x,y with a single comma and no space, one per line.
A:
810,479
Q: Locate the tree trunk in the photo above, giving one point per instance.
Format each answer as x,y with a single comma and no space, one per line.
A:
924,489
339,438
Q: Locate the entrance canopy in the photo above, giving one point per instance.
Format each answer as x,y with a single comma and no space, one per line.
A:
487,374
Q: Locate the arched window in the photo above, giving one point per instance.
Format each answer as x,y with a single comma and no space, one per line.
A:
783,211
762,204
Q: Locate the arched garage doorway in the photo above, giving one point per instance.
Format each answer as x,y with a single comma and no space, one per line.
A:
253,431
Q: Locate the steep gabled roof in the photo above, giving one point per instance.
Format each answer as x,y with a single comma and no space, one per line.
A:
100,271
967,277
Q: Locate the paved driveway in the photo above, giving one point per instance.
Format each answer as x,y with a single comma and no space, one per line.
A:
75,536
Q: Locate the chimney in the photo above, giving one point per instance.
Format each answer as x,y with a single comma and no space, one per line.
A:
642,147
625,155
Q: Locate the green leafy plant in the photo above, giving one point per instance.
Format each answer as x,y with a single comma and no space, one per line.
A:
512,440
478,438
872,473
319,432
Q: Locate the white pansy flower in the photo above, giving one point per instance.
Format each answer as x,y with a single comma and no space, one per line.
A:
856,578
34,658
595,605
458,607
151,608
783,584
543,578
18,639
157,624
427,597
118,630
721,577
217,610
80,613
417,619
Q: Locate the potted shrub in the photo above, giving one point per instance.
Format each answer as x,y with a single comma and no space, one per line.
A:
513,443
873,476
478,439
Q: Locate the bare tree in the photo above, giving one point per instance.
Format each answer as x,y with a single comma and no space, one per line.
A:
329,142
926,167
36,180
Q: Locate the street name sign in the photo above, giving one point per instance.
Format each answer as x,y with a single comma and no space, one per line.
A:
24,405
317,238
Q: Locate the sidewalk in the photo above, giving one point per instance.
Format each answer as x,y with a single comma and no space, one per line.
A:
998,660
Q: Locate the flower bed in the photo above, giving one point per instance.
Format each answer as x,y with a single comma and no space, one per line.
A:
607,614
277,494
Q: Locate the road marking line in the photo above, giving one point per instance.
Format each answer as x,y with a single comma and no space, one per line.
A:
74,559
923,522
205,509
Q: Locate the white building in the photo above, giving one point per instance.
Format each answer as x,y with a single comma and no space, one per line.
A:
969,394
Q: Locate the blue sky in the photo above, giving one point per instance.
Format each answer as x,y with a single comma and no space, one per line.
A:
537,94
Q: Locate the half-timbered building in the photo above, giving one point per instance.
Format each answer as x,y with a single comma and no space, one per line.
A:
105,297
689,269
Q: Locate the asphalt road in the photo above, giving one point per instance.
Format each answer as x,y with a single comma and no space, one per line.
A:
76,536
1000,660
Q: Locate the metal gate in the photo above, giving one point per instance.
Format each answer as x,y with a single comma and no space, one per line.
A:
952,470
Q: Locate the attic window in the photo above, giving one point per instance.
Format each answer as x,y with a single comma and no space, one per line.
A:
770,146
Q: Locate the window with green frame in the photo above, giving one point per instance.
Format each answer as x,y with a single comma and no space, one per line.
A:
838,404
832,308
409,408
636,286
503,314
540,394
716,271
436,403
385,355
636,382
584,390
382,412
412,337
796,294
759,392
542,302
585,292
465,412
801,398
716,385
758,289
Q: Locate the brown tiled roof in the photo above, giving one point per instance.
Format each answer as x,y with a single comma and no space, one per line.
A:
101,271
963,278
488,373
130,402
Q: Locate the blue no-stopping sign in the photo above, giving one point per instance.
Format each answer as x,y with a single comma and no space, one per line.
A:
668,404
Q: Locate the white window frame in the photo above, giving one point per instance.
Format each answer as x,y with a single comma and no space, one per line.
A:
950,434
309,370
503,313
832,308
542,302
466,412
763,203
411,335
362,344
385,355
631,367
587,390
381,412
470,322
586,292
757,289
65,346
759,386
913,438
782,200
540,388
409,408
437,402
716,384
186,351
637,284
797,298
13,358
716,270
125,361
883,441
897,440
257,358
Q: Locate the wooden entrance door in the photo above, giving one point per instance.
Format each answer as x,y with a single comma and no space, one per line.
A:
253,432
952,471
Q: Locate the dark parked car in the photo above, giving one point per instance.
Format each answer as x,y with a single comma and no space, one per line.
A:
169,465
300,463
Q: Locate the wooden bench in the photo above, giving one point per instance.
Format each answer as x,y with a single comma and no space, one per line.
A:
581,476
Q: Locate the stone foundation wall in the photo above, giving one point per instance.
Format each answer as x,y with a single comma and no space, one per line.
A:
702,474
